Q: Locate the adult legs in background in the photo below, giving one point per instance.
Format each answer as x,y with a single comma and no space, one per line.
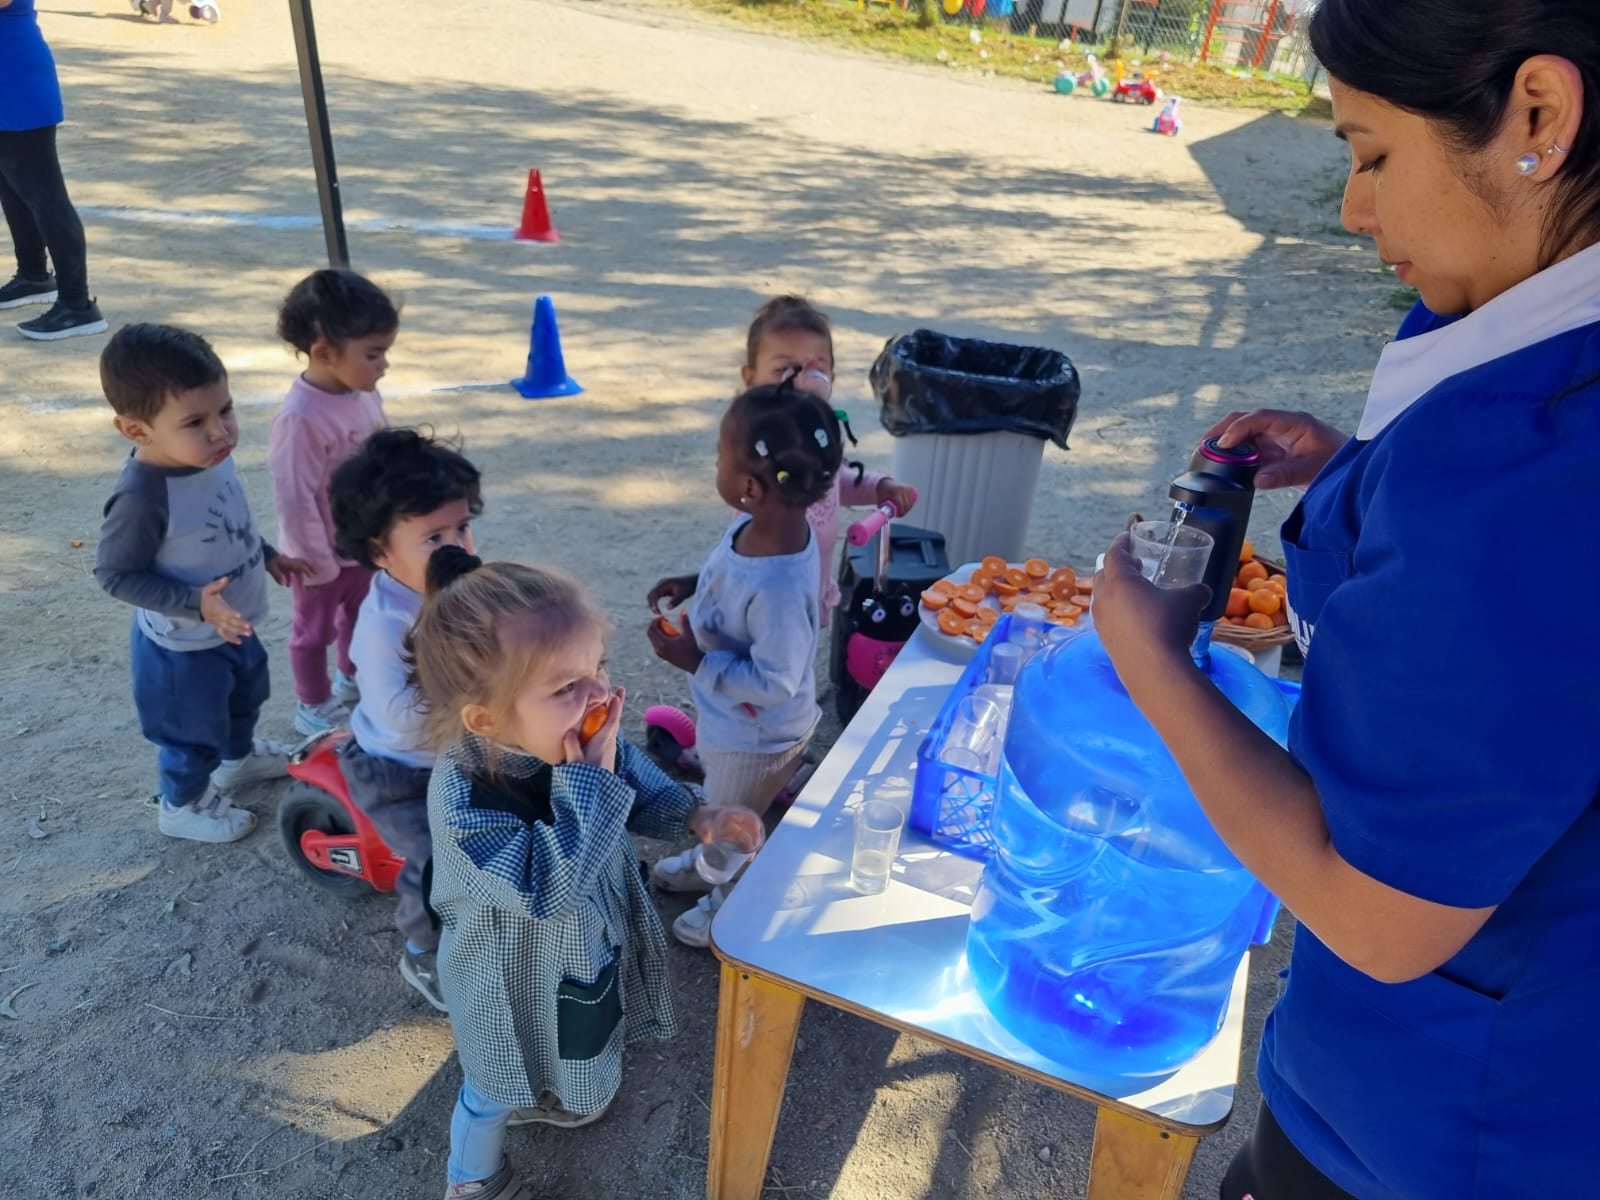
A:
41,218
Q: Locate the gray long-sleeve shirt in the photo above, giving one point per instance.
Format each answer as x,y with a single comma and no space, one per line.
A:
169,531
756,621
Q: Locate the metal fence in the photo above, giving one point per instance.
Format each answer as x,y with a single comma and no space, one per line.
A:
1262,35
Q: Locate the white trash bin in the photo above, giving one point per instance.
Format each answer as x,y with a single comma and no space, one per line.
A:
970,419
976,489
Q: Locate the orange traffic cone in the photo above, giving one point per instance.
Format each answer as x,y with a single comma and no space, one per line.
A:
535,225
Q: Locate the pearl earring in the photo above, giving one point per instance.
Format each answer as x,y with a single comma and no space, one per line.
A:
1528,163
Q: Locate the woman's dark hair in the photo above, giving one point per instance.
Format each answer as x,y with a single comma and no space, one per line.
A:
781,314
789,439
334,305
1454,62
396,473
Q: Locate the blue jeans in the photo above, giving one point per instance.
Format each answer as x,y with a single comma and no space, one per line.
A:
477,1136
199,707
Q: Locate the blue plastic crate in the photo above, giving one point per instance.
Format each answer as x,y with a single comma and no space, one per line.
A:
952,805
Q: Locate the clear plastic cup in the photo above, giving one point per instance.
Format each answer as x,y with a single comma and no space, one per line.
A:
1005,660
1171,557
878,826
1027,629
718,862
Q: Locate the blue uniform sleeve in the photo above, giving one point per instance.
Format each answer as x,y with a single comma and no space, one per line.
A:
1451,705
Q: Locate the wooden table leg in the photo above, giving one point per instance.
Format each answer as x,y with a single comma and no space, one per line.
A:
756,1026
1137,1160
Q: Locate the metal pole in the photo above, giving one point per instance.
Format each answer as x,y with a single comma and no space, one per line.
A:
305,48
1122,24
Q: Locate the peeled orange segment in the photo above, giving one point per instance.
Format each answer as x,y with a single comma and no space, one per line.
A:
946,586
666,627
1016,577
1037,568
1265,600
934,600
1063,575
983,579
1256,621
1004,587
1064,589
964,607
993,564
977,630
987,615
972,592
593,721
952,623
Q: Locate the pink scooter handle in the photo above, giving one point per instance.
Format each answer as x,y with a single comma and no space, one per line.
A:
861,532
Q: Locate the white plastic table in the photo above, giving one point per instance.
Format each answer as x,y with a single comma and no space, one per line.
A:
794,929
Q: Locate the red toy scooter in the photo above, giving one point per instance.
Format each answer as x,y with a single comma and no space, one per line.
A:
328,837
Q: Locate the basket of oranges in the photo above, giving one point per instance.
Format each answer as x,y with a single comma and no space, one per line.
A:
1257,616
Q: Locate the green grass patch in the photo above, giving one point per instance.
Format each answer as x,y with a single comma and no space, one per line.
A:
888,30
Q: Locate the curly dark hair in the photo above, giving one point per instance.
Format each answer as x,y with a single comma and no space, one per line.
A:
397,473
144,365
787,438
335,305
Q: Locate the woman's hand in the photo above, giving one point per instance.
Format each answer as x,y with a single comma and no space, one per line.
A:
674,591
1145,629
678,648
601,749
1294,447
738,825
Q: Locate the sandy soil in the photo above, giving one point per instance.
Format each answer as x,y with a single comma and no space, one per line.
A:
200,1022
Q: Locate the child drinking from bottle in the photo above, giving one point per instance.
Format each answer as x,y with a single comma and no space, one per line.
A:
749,637
790,338
344,325
551,955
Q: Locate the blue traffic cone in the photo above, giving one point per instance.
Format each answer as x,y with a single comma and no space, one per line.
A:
547,369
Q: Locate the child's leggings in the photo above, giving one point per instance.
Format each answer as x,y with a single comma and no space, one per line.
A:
477,1136
324,616
751,781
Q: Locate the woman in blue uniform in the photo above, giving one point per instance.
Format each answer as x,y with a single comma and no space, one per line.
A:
32,193
1433,825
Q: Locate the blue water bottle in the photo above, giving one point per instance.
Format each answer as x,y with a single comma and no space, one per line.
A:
1111,919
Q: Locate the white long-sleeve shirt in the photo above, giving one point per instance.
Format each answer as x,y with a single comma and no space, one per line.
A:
387,722
755,619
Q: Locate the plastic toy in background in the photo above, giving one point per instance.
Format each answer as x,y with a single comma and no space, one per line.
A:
886,617
1168,121
209,11
327,836
1094,79
546,375
1139,87
669,736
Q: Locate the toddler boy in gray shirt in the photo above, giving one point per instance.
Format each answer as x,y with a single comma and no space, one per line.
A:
179,544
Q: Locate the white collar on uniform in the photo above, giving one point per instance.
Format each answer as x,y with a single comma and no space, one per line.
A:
1555,301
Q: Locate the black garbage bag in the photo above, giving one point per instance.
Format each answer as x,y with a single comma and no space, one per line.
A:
929,382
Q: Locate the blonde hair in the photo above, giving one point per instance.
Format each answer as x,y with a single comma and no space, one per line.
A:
482,630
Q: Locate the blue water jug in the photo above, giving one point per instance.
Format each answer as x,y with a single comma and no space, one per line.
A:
1111,918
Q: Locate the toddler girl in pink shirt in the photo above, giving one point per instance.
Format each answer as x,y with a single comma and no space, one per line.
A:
791,336
344,324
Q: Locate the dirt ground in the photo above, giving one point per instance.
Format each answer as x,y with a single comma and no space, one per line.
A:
199,1022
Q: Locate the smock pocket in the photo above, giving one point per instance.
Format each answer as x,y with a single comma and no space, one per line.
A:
1313,576
587,1014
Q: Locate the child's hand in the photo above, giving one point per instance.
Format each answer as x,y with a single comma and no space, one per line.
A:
601,749
733,824
221,615
902,495
680,648
283,569
674,591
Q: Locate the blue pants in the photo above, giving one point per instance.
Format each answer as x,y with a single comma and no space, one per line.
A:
199,707
477,1136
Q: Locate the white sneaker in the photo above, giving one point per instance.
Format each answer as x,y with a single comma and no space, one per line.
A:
345,690
268,760
312,719
676,873
209,819
693,928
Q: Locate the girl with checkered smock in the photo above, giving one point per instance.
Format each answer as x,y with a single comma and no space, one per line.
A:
551,955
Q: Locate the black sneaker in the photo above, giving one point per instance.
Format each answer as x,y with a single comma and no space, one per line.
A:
64,322
422,973
22,291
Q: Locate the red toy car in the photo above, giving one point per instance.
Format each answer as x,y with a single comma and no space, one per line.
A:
1138,87
328,837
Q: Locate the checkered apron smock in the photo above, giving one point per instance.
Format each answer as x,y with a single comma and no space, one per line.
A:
551,954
